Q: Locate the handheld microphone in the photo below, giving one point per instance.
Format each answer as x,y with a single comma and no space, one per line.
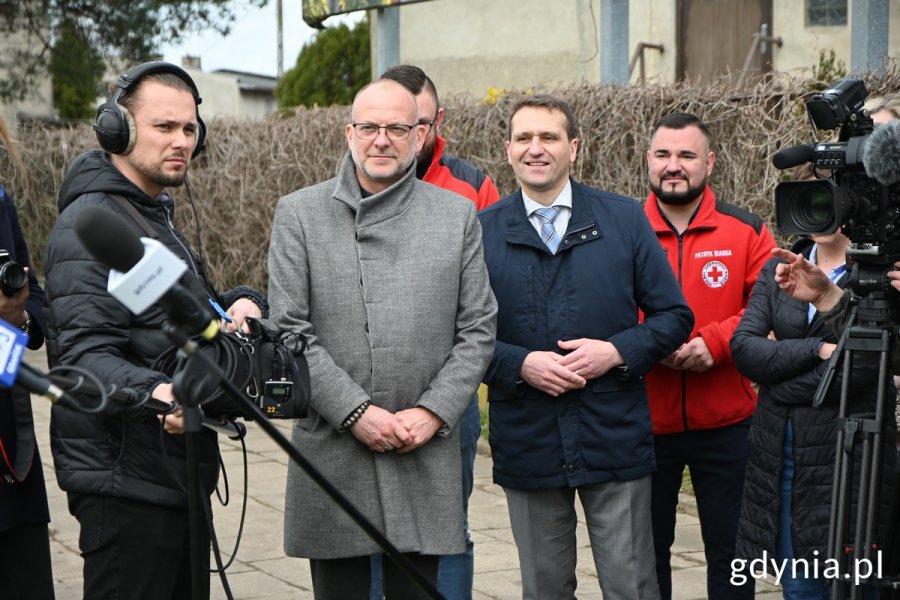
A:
881,154
143,271
17,373
793,156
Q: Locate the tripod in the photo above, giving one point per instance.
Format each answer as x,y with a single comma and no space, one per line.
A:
856,555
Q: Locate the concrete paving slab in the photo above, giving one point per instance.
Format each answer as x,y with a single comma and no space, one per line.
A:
262,572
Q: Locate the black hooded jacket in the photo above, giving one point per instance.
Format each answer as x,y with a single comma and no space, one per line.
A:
122,451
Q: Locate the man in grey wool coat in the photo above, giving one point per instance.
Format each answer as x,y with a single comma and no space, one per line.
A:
385,276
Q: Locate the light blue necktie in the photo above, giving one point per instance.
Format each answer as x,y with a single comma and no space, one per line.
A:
548,231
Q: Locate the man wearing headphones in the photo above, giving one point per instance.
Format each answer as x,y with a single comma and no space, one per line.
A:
124,475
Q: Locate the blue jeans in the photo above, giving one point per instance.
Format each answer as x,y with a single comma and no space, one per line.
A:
456,572
799,587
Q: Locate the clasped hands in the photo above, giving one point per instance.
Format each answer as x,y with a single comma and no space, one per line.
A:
555,373
400,432
693,355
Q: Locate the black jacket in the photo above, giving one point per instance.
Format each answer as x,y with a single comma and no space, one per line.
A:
788,370
119,452
24,502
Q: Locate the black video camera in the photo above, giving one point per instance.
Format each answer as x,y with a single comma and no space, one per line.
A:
12,275
865,209
267,364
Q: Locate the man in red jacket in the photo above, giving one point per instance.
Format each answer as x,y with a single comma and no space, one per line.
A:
456,572
432,164
699,404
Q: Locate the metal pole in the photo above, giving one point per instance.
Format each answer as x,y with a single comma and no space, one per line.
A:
614,41
280,39
868,34
388,39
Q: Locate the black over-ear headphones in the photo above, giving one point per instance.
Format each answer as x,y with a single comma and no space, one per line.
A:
114,124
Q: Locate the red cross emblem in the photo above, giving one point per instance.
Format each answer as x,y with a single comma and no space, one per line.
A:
715,274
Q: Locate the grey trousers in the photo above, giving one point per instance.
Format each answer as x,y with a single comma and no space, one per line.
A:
618,520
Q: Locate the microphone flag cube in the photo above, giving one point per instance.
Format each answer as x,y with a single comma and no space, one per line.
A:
12,348
141,287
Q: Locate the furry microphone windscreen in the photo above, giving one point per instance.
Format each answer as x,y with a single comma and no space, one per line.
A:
881,155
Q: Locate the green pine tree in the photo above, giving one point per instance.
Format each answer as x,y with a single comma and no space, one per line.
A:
76,68
330,69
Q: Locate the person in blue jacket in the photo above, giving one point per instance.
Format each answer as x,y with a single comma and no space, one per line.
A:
587,305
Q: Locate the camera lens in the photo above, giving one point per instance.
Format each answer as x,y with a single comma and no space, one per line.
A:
12,278
808,207
814,210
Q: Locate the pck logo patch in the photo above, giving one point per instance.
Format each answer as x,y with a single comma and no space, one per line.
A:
715,274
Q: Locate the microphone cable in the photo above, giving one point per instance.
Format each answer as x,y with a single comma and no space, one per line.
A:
90,385
233,356
206,505
207,508
198,229
197,225
232,353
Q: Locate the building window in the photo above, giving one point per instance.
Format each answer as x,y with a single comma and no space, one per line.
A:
826,12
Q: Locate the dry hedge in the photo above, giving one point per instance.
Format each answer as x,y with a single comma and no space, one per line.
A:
250,163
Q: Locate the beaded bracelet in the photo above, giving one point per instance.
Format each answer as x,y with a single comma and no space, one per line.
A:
354,416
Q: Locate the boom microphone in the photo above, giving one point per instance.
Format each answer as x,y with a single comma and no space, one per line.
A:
144,271
881,154
793,156
35,381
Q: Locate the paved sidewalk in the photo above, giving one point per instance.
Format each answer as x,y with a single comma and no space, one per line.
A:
261,571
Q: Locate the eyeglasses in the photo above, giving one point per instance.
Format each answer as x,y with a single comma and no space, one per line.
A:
428,124
369,131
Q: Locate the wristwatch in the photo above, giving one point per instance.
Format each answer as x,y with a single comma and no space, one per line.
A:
26,326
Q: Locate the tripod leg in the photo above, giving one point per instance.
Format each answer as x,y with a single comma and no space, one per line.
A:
862,547
861,542
839,531
872,537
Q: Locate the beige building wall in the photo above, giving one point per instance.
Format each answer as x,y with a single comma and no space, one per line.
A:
894,31
222,96
653,22
473,45
802,44
257,105
37,105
